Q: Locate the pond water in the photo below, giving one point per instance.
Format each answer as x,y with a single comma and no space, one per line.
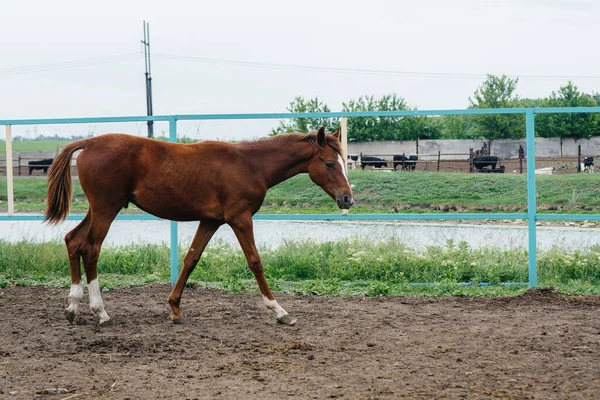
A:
270,234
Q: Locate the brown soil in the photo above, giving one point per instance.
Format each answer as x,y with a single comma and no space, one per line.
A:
538,345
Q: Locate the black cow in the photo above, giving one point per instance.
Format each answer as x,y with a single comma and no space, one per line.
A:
408,163
376,162
484,161
353,165
587,165
41,164
491,170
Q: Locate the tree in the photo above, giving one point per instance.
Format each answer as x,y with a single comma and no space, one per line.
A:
574,125
299,105
457,127
497,92
387,128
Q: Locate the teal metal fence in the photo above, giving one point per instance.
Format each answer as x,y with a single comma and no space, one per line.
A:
531,215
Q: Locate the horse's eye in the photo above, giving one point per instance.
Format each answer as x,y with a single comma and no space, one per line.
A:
329,164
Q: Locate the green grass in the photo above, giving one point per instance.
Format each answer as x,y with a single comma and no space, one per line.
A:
377,192
349,267
34,145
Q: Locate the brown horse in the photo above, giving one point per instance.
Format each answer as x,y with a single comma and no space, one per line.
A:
215,183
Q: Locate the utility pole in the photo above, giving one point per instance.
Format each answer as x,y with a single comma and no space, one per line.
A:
146,43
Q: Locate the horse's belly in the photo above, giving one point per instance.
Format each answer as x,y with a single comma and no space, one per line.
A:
178,207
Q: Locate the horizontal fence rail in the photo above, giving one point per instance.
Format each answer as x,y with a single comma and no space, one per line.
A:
531,215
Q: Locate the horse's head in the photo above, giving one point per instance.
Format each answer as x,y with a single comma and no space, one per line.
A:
328,169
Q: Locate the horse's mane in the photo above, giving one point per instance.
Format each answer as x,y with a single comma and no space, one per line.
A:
299,137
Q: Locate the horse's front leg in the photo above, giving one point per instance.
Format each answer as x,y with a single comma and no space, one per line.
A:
204,233
243,229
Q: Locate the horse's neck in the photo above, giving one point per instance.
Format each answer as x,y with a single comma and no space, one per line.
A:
279,161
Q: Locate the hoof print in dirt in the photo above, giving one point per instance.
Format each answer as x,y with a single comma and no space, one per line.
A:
287,320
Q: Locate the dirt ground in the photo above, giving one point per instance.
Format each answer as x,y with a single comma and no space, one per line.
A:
537,345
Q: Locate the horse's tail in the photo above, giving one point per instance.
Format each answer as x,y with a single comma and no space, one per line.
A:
60,183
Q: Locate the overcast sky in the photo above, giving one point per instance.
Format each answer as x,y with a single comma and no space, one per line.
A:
83,59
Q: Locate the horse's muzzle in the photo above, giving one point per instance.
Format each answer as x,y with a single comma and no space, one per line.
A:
344,201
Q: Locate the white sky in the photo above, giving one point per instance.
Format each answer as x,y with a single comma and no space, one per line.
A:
532,39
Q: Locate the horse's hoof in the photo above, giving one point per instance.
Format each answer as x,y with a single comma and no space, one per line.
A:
102,321
179,321
287,320
70,314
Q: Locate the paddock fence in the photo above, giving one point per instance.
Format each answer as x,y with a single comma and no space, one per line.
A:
531,215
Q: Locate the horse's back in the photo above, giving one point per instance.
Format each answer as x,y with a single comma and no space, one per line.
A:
174,181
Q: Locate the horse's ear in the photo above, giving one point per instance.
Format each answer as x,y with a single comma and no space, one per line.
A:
321,137
336,134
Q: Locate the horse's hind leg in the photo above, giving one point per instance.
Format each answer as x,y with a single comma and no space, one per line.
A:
242,227
203,235
98,228
73,240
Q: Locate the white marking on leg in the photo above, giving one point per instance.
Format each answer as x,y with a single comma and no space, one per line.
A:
75,296
274,306
96,304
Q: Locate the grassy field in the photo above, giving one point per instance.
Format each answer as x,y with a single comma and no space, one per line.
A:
34,145
377,192
349,267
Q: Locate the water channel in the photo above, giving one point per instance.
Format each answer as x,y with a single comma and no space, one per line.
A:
270,234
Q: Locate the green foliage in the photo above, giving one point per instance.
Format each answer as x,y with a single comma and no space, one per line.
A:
497,92
457,127
575,125
363,128
387,128
299,105
375,128
348,267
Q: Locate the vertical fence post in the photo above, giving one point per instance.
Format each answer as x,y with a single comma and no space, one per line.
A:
439,157
521,156
531,197
9,173
174,241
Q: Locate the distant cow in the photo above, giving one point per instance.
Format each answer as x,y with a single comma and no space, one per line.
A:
41,164
375,162
492,170
588,164
485,161
352,165
408,163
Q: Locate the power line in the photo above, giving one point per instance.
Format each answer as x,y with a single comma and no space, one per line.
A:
27,69
242,63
